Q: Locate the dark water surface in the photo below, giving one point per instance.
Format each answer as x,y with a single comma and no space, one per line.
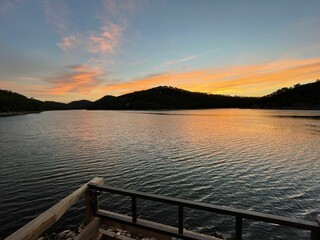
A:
262,160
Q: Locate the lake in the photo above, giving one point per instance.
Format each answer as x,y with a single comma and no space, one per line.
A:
261,160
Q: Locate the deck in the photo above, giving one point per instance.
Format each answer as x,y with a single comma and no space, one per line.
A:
96,217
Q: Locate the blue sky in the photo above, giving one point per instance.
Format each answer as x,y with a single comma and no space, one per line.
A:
67,50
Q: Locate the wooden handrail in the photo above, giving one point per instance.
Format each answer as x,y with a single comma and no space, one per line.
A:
37,226
239,214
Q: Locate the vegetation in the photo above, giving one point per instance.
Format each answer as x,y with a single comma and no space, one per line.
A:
14,102
170,98
306,96
81,104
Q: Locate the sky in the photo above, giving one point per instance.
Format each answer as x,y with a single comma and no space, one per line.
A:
64,50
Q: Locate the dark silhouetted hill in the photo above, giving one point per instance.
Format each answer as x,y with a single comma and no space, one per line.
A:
14,102
170,98
81,104
306,96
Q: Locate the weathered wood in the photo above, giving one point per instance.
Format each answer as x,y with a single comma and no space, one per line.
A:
148,228
37,226
91,231
112,236
244,214
238,228
90,202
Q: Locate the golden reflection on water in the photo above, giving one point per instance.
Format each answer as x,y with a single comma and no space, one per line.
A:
263,160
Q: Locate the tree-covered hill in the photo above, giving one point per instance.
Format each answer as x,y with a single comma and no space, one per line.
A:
14,102
306,96
164,97
301,96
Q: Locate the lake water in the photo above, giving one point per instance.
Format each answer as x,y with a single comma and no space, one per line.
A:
262,160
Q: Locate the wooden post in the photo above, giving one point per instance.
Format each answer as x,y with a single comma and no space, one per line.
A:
238,228
315,234
37,226
180,220
91,200
134,209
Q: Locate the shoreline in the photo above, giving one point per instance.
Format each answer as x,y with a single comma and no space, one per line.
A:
9,114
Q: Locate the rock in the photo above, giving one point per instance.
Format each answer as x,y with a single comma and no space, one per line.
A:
129,235
186,226
66,235
80,228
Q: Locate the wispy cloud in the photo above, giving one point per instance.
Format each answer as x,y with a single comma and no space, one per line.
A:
248,80
96,46
189,58
69,42
56,13
178,61
105,40
75,78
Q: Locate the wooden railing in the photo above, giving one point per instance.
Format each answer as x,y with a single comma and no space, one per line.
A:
37,226
181,204
96,216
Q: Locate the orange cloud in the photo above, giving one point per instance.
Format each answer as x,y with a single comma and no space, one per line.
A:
77,78
248,80
69,42
106,40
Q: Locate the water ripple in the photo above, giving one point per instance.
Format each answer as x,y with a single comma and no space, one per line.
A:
250,159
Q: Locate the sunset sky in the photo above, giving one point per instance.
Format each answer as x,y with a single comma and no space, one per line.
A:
69,50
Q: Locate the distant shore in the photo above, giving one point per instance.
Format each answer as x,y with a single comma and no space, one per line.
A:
8,114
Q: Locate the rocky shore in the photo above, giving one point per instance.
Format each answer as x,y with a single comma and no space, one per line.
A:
64,235
71,235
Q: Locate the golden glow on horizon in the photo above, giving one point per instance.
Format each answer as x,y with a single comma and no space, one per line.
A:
251,80
82,81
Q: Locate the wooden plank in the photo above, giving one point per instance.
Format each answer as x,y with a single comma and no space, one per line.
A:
91,231
37,226
148,228
113,236
134,230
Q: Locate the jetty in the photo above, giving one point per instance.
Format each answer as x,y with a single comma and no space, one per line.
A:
97,217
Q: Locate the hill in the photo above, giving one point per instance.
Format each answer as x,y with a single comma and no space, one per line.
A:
81,104
164,97
12,102
306,96
15,102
